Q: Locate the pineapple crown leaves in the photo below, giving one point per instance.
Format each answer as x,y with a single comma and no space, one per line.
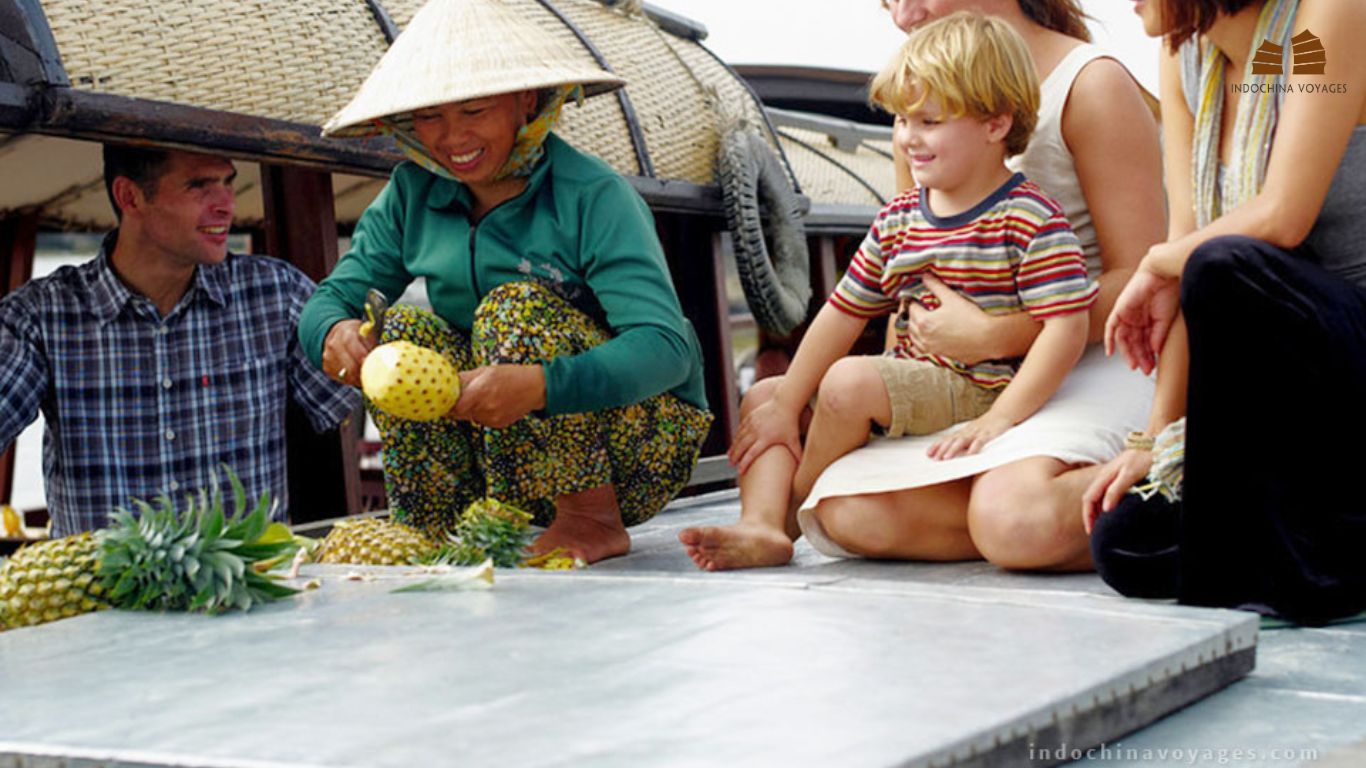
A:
489,529
195,559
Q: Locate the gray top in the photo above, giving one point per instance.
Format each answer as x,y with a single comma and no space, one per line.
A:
1338,240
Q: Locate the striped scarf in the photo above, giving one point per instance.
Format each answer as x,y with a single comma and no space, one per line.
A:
1254,125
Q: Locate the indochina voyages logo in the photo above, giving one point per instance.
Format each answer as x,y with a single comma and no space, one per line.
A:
1309,58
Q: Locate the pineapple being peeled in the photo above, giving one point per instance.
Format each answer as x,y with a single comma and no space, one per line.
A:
410,382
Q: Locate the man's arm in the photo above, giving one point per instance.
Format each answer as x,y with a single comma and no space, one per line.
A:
24,374
326,402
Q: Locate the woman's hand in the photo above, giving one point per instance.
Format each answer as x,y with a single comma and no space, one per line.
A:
496,396
1142,316
972,437
1114,480
344,350
767,426
955,330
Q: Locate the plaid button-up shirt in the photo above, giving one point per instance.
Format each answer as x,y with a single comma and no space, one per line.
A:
138,404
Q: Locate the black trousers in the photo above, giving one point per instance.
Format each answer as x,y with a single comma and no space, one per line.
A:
1272,516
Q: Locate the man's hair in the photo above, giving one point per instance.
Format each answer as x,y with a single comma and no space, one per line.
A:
143,166
974,65
1185,19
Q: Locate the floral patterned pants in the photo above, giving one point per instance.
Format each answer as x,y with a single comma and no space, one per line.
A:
433,470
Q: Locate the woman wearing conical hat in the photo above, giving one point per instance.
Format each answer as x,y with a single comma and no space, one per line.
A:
582,397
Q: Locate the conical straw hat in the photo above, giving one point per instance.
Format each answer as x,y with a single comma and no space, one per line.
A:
454,50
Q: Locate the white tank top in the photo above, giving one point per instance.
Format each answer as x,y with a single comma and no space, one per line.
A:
1047,160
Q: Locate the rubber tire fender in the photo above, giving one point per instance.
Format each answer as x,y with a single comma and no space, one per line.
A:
777,287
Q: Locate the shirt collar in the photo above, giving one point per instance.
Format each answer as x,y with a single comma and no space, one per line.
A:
445,193
109,295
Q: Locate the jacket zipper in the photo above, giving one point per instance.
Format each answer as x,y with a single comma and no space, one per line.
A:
474,274
474,226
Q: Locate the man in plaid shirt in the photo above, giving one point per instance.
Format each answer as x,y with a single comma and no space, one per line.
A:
165,357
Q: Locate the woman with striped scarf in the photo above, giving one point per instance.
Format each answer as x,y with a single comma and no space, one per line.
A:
1254,314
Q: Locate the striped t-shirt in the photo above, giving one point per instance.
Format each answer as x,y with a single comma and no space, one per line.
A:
1012,252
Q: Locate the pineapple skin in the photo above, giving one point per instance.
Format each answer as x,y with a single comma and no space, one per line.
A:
375,541
51,580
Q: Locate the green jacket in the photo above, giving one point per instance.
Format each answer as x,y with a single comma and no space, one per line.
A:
578,222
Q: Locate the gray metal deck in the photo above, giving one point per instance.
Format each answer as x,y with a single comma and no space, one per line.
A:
643,661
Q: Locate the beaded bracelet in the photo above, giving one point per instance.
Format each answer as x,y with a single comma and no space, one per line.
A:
1138,441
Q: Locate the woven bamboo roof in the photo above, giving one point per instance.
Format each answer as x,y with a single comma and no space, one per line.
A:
255,78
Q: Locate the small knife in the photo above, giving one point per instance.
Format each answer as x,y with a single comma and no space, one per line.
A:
375,307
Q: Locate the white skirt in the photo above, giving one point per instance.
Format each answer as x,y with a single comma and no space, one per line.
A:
1085,422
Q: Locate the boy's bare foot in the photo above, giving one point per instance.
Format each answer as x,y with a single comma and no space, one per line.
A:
587,525
742,545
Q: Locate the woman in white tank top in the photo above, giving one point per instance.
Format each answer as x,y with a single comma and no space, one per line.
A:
1015,503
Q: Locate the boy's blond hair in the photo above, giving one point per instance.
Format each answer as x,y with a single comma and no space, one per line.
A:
975,65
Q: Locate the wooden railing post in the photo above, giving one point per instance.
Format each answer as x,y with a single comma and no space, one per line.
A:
697,263
301,228
18,241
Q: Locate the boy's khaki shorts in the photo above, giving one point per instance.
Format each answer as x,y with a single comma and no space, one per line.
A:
927,398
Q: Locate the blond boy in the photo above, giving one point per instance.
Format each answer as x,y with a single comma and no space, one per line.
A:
965,90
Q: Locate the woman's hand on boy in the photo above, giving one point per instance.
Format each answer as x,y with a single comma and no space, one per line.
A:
970,438
1115,479
767,426
958,329
1142,317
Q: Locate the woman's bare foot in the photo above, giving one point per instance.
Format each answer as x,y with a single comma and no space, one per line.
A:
587,526
743,545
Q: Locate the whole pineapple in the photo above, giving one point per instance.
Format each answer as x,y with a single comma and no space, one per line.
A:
51,580
410,382
375,541
197,559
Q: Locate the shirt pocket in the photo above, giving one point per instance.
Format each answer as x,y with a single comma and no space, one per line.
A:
246,400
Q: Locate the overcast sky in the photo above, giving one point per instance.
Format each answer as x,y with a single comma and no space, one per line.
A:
857,34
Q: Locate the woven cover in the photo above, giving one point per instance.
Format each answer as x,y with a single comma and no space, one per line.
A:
831,175
295,60
303,60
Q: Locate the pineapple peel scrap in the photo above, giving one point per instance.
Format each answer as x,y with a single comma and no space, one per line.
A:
557,559
14,524
475,577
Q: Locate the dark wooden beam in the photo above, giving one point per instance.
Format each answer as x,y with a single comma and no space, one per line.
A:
693,246
18,242
105,117
300,227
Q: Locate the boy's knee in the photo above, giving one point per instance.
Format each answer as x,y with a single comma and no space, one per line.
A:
845,389
762,392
